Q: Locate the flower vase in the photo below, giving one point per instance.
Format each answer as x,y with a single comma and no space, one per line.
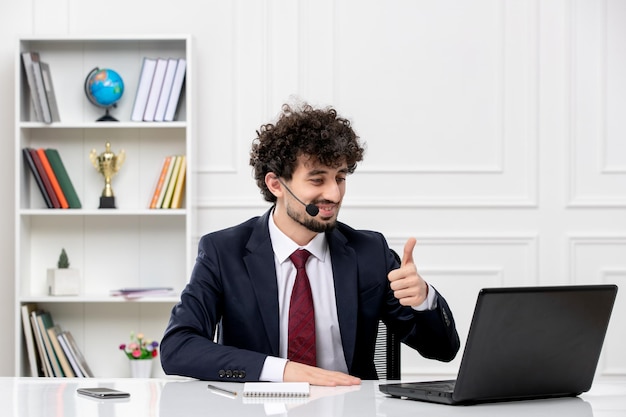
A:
140,368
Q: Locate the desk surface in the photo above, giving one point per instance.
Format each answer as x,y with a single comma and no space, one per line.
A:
38,397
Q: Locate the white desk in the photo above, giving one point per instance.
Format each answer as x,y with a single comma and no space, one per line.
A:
56,397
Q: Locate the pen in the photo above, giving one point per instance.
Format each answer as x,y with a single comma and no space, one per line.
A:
219,390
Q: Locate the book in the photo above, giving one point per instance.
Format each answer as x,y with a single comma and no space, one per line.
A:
276,389
69,354
177,86
166,182
49,88
46,367
171,183
143,89
160,181
53,333
138,292
166,89
29,338
44,319
52,178
44,178
33,169
41,89
180,184
32,86
82,362
155,90
54,158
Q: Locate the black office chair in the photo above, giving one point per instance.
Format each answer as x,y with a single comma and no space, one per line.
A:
387,349
387,354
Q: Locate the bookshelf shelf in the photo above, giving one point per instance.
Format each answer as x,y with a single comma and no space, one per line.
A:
104,125
102,299
103,213
129,246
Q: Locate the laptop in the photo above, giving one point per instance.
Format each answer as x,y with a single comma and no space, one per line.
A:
525,343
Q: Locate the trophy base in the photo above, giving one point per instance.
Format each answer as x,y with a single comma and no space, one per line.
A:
107,202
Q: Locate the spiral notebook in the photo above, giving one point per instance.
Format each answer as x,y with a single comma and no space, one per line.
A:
276,389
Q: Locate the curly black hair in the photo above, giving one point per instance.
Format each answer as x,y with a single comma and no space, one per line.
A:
318,133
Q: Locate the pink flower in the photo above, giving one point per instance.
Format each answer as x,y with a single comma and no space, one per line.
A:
140,347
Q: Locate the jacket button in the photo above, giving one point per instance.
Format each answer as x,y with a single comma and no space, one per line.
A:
221,373
242,374
229,373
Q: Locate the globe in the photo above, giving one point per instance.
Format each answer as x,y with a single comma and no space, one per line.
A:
104,88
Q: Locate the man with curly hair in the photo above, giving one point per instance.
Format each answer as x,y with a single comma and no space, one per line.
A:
244,276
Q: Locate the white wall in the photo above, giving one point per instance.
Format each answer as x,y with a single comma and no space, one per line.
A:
495,129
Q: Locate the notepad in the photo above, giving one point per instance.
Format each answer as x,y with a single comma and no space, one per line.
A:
276,389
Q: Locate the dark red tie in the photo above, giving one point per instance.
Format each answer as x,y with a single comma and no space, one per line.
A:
301,347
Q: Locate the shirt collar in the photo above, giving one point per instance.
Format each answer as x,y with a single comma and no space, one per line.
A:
283,246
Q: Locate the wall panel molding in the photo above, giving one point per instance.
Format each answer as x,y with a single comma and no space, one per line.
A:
596,83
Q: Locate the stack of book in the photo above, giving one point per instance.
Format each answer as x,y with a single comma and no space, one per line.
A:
41,88
52,352
170,185
159,89
51,177
139,292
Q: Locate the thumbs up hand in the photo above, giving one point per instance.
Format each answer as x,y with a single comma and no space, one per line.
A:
407,285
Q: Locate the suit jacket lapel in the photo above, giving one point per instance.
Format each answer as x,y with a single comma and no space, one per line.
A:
346,291
262,274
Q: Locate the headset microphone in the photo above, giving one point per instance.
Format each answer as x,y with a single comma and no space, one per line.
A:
311,209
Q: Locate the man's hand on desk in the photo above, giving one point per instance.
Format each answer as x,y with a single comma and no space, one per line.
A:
298,372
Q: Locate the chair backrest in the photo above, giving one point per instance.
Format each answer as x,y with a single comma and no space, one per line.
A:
387,349
387,354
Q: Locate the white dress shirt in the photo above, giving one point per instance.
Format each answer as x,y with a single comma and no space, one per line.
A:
319,270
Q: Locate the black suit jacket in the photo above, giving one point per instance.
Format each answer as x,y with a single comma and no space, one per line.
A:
233,285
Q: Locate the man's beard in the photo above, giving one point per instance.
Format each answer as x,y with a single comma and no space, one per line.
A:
310,222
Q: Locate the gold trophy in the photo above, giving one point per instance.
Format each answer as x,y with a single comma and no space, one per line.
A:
107,164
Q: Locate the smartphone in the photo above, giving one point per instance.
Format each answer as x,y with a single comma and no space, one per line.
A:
102,392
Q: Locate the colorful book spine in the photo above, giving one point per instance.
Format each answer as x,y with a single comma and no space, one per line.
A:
172,183
44,320
44,178
180,184
160,182
168,176
53,333
53,178
33,168
63,178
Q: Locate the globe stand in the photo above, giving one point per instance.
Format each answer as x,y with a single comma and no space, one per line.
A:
107,117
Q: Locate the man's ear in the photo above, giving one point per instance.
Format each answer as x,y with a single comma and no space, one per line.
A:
273,184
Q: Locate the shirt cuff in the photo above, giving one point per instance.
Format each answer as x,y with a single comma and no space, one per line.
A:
273,369
430,303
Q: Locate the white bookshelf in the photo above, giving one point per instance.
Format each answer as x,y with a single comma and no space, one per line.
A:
129,246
